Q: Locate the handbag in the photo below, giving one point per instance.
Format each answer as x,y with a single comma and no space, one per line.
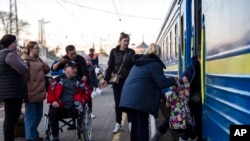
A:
115,77
195,97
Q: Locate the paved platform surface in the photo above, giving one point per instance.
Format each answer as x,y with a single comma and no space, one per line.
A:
103,124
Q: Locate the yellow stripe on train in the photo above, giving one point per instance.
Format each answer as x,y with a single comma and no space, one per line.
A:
232,65
172,68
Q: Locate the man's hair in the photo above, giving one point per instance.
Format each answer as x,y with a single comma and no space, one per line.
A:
69,48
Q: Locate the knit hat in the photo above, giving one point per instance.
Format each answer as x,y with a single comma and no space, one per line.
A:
7,40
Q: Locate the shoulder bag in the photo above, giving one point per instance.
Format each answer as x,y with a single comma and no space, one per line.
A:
115,77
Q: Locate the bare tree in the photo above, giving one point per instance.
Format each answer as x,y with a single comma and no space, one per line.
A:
5,23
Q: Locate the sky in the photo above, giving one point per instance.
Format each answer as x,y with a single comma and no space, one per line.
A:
87,22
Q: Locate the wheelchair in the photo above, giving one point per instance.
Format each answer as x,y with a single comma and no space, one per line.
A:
83,125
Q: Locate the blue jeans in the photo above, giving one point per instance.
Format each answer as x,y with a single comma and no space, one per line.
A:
33,116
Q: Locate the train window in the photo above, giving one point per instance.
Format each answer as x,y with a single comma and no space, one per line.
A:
182,38
176,42
163,50
170,47
173,46
167,50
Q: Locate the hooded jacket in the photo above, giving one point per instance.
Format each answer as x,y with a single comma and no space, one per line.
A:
36,82
193,75
55,90
142,88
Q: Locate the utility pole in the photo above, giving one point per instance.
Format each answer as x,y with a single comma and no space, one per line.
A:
41,37
13,19
41,32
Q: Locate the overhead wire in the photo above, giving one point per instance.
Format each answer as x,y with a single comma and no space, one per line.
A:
58,26
117,13
51,23
72,15
95,35
110,12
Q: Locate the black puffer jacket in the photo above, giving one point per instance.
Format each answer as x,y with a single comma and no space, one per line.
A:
115,61
12,84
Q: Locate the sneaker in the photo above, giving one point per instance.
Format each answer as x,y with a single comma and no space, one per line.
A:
157,136
129,126
117,128
98,91
92,115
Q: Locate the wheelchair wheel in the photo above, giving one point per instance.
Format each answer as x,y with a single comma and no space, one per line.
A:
47,128
87,124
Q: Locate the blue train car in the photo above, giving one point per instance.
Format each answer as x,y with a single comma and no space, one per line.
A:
220,31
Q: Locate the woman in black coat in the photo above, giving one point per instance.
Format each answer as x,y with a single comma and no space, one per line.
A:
142,90
119,56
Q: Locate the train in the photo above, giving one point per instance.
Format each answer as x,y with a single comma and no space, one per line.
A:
218,30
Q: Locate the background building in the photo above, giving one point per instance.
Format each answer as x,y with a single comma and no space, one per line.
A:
141,48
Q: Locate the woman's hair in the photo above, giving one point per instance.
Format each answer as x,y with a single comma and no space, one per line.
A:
7,40
30,46
153,49
123,35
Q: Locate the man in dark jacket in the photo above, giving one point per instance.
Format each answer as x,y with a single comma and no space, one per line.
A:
94,57
82,69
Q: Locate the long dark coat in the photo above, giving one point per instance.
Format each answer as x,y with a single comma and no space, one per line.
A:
143,85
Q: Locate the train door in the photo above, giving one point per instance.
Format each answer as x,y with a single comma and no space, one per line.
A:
181,44
191,30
